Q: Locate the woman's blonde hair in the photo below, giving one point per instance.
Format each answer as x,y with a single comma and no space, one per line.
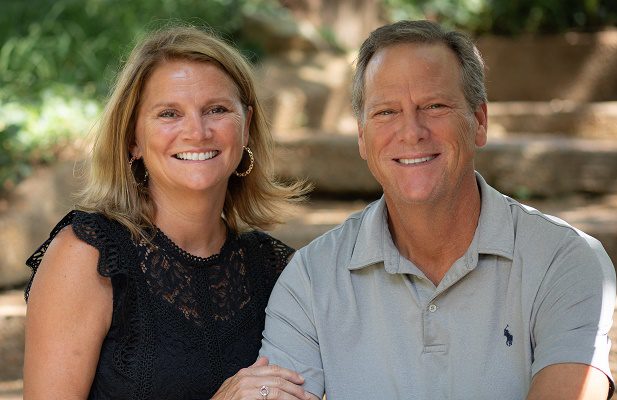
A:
112,188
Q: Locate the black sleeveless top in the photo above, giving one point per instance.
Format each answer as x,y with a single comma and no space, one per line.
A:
181,324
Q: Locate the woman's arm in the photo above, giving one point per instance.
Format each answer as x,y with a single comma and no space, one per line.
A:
69,314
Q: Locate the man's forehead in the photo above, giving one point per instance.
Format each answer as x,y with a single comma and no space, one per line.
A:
391,65
409,52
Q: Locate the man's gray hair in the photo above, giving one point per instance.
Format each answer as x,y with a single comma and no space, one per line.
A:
472,65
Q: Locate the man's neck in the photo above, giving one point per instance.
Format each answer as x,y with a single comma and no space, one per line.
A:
434,236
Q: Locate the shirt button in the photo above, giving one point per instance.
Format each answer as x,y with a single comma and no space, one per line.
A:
432,308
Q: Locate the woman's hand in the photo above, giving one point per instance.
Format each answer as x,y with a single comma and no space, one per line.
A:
280,384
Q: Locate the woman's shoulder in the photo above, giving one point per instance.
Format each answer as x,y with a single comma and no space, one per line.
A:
91,236
93,229
266,250
263,240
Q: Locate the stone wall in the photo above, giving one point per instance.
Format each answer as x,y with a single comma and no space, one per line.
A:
306,93
311,90
27,216
575,66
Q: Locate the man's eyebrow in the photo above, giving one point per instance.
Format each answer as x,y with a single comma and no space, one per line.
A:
379,103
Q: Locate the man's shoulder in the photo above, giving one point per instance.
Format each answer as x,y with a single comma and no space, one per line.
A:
533,222
337,244
345,232
549,236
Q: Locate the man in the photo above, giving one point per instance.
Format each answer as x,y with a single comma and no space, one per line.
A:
444,288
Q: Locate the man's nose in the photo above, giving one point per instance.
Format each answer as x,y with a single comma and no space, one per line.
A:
414,127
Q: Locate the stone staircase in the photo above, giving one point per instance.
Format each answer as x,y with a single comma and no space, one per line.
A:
571,176
559,156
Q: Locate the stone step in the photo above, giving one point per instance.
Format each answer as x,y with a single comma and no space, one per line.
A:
12,318
597,217
521,165
582,120
535,94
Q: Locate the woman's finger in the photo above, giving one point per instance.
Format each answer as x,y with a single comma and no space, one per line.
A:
282,389
276,388
275,371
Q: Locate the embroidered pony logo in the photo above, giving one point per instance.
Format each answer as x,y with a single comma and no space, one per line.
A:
508,336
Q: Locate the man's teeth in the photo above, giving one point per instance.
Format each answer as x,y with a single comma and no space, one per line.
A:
197,156
415,160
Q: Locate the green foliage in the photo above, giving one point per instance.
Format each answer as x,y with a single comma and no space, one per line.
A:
58,59
12,165
550,16
78,42
470,14
36,133
510,17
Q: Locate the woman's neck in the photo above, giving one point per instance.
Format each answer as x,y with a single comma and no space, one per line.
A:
194,224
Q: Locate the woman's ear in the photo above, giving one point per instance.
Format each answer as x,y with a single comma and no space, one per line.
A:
247,126
135,151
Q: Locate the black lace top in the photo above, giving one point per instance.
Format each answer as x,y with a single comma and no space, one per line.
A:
181,324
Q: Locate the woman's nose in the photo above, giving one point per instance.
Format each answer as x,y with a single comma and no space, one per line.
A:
197,126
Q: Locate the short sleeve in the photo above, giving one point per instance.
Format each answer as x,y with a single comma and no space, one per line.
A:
93,229
271,254
574,307
290,336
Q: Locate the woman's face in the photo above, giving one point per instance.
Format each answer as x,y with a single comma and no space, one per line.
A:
191,126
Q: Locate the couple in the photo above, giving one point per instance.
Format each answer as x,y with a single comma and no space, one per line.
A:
444,288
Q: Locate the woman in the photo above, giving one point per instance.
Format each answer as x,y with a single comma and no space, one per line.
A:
148,290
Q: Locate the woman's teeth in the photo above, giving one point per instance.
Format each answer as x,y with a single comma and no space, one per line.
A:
197,156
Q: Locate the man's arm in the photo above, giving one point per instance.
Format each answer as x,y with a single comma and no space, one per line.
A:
576,302
290,334
569,381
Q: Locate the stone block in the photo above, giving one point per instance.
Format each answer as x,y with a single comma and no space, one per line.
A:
522,166
29,214
566,118
331,162
12,319
572,66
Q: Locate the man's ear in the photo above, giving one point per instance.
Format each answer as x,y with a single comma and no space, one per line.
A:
481,116
361,143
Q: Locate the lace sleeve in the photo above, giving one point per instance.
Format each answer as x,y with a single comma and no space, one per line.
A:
93,229
35,259
273,253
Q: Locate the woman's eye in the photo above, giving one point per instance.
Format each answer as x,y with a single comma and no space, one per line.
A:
168,114
217,110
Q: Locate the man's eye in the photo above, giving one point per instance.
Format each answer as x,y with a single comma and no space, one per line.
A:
385,112
168,114
435,106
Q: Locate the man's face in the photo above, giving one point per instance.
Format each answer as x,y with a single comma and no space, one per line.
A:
417,132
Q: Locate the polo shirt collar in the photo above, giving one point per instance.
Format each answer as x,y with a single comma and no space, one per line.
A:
495,231
494,234
373,236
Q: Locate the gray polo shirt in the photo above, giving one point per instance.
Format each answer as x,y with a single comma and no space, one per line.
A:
360,321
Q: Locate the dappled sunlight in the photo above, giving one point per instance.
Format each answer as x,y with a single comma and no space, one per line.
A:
321,215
